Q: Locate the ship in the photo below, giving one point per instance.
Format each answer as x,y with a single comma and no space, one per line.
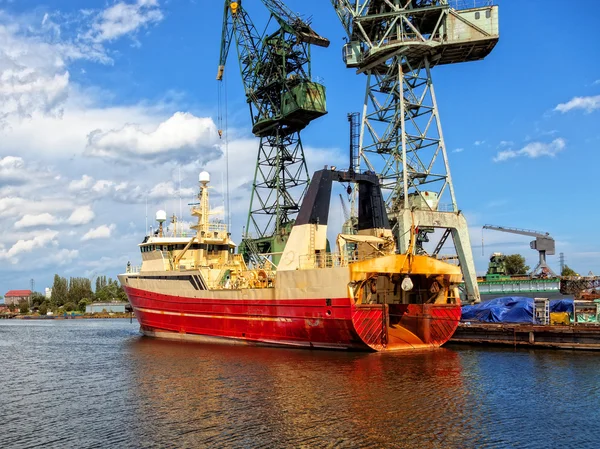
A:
364,295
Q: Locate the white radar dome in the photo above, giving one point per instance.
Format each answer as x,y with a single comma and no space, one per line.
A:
161,216
204,177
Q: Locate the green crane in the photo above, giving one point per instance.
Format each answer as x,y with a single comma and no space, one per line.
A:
283,99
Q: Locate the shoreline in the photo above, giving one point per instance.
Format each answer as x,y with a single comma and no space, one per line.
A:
66,317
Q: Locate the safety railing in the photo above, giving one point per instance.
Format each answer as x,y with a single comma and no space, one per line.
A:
133,268
468,4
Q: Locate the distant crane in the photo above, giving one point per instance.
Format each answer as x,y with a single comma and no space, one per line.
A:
543,244
276,73
350,221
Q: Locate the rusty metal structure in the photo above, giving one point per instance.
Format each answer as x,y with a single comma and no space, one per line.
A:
580,286
396,43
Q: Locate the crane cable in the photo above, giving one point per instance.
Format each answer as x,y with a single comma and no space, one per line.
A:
222,127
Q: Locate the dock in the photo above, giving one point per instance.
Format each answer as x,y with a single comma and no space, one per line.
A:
579,336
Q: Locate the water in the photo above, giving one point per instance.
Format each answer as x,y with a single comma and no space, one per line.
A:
98,383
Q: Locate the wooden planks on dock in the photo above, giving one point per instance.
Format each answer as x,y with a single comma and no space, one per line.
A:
565,337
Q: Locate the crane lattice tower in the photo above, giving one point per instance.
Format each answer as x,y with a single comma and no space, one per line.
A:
395,43
276,72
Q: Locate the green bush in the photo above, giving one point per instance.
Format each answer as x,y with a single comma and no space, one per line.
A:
69,307
43,309
23,307
82,304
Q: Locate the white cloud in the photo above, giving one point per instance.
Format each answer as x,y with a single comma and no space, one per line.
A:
589,104
30,221
478,142
18,206
101,232
62,257
40,240
12,170
11,163
82,215
125,18
166,190
34,55
595,83
181,137
533,150
506,143
85,182
458,150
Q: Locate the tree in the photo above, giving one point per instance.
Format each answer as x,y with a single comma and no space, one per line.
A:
515,264
79,288
43,309
110,291
82,304
36,299
69,307
568,271
23,307
60,291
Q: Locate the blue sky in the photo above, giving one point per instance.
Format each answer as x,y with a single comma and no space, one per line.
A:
101,109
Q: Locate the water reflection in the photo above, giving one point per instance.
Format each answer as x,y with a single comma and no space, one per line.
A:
100,384
262,396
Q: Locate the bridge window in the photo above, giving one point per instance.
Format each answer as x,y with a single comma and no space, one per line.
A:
477,15
488,14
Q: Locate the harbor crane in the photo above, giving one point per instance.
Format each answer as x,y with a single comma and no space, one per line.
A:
395,44
275,67
543,244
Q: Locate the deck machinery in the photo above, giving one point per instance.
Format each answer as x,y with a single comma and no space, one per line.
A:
395,43
276,73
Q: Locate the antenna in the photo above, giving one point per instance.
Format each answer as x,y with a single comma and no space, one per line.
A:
482,242
223,191
227,213
146,228
180,207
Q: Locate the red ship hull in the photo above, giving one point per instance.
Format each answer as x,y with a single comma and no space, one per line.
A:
333,323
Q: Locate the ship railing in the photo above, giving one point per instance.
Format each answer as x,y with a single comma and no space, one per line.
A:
330,260
468,4
133,268
217,227
322,260
449,258
446,207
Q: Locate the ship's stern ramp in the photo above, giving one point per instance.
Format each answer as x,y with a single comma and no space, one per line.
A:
404,301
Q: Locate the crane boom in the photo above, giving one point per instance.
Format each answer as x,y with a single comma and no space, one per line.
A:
344,208
519,231
543,244
294,23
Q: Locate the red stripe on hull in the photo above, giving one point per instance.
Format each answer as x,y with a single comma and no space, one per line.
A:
290,322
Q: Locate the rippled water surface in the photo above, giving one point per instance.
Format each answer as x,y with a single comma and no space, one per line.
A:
98,383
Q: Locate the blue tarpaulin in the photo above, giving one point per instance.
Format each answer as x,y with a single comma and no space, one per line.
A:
509,309
561,305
